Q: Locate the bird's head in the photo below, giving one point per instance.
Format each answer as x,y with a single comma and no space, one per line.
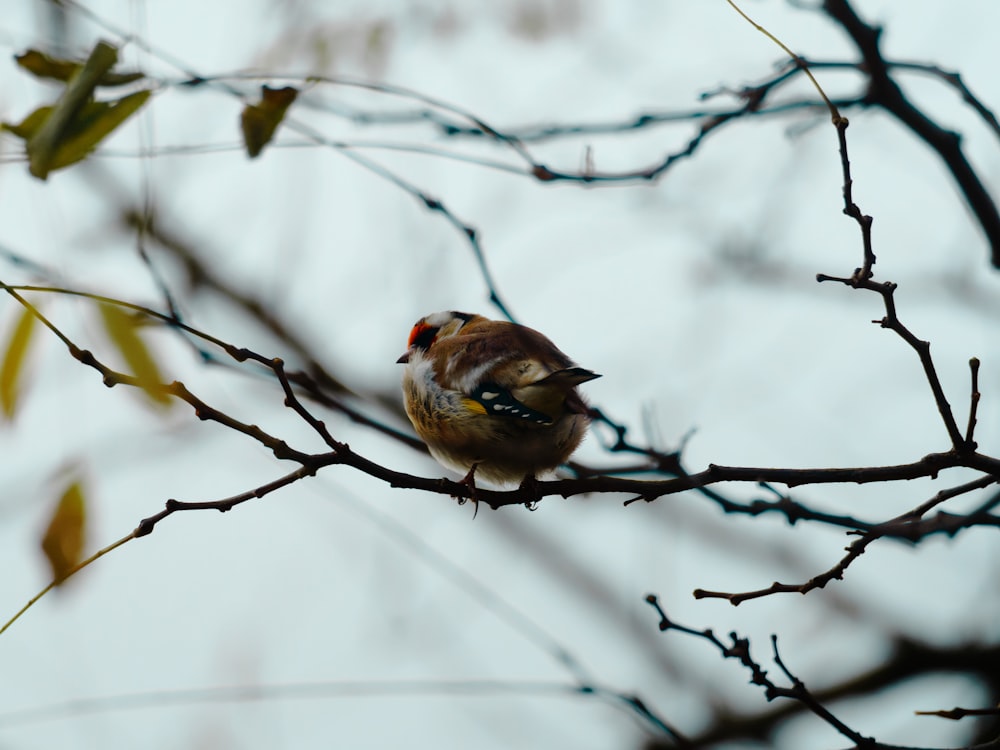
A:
432,328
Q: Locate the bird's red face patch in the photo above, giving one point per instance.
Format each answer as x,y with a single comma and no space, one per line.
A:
422,335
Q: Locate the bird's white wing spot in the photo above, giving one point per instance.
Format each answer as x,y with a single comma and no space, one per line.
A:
469,380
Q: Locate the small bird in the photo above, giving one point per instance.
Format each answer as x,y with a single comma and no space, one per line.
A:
495,399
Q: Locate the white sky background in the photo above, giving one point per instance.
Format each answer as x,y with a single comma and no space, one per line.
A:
694,296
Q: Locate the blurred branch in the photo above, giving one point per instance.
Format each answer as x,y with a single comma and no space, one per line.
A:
906,660
468,690
652,119
960,713
739,649
314,379
909,526
201,276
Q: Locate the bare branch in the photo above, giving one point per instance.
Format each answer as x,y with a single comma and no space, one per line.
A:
884,92
973,403
739,649
908,526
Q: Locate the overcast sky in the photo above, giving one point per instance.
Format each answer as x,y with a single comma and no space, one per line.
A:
348,604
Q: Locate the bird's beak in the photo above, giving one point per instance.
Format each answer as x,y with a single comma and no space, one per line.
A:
404,359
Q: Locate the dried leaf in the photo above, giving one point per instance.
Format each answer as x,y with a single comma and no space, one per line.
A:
41,65
260,121
122,330
65,537
13,362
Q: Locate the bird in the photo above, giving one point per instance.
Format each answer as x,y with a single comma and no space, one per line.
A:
492,398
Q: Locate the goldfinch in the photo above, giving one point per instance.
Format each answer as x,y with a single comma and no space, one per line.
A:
495,399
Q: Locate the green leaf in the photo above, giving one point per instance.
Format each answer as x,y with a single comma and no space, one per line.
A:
13,362
41,65
91,124
30,124
66,132
122,330
65,537
79,90
260,121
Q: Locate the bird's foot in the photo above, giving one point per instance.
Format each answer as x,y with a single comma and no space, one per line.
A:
529,486
469,480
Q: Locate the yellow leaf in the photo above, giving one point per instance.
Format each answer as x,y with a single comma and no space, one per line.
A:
65,537
260,121
41,65
121,329
13,362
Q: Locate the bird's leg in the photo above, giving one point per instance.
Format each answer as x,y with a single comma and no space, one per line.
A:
469,480
529,486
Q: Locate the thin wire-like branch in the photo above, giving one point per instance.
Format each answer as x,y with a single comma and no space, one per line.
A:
456,125
238,147
469,232
72,571
334,689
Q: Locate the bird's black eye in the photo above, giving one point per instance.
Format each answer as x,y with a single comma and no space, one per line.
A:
423,335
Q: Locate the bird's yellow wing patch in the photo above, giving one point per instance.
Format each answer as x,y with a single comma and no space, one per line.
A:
473,406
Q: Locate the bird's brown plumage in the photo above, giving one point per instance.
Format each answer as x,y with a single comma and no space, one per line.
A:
493,394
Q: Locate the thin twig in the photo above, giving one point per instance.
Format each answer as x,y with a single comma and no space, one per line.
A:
973,403
739,649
